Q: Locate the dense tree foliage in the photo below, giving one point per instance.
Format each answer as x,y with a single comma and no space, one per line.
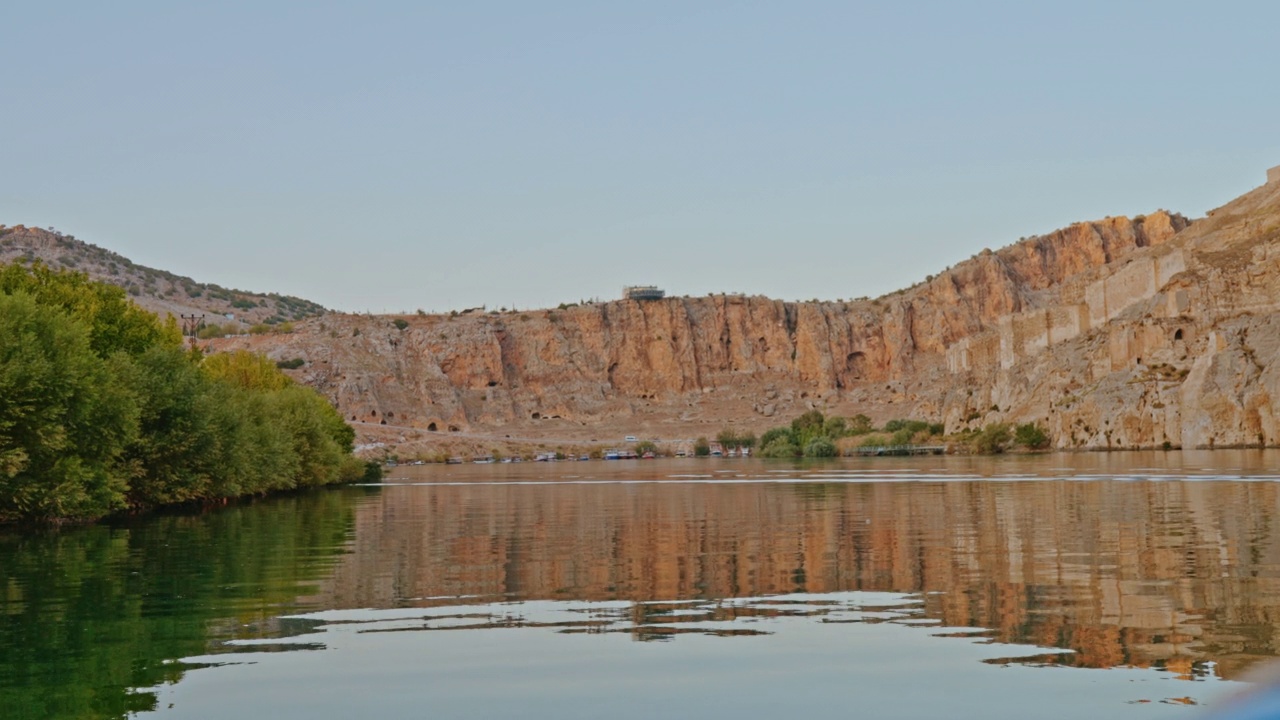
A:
102,409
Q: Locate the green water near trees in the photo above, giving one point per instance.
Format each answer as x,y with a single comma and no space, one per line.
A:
89,614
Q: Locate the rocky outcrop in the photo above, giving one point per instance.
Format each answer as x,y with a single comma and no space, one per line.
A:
1180,347
952,347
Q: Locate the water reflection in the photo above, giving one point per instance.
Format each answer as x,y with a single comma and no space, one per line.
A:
1133,572
1092,561
89,614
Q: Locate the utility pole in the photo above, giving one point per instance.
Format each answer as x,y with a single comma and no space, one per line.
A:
191,325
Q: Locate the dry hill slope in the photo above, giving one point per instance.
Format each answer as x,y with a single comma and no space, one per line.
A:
157,290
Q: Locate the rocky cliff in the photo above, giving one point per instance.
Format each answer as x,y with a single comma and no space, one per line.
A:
965,346
1125,332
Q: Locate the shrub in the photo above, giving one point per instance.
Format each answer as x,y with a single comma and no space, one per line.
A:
859,425
291,364
993,439
821,447
400,323
780,448
701,448
835,427
1031,436
773,434
914,426
812,420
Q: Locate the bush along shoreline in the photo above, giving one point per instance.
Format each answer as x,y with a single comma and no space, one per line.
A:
103,410
813,435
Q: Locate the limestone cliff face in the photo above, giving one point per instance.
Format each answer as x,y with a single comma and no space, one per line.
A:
1180,344
669,364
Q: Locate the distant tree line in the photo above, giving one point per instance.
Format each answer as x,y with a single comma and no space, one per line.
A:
103,409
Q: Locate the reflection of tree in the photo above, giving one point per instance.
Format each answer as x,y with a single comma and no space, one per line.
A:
87,615
1122,572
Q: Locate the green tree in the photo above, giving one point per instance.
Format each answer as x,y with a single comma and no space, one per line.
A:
247,370
400,323
646,446
115,324
808,422
168,460
102,408
701,448
63,421
320,438
807,427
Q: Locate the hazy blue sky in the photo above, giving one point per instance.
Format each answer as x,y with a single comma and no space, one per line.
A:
375,156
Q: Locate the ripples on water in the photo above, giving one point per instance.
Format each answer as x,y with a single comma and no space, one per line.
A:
1119,585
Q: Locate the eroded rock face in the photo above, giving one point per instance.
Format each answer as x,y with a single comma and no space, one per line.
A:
1181,346
1116,333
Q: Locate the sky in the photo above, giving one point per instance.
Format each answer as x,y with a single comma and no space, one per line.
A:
395,156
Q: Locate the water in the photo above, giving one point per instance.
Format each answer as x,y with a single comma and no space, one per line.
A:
1122,585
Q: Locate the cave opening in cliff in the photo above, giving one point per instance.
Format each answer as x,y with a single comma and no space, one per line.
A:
856,364
431,427
1177,335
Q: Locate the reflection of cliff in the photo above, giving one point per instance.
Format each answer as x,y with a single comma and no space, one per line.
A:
1122,572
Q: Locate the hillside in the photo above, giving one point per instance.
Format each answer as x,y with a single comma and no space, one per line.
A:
157,290
1151,331
966,347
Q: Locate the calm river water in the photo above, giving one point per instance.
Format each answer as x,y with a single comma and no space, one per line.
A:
1122,585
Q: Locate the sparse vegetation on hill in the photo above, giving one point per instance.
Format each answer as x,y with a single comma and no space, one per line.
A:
103,409
158,290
